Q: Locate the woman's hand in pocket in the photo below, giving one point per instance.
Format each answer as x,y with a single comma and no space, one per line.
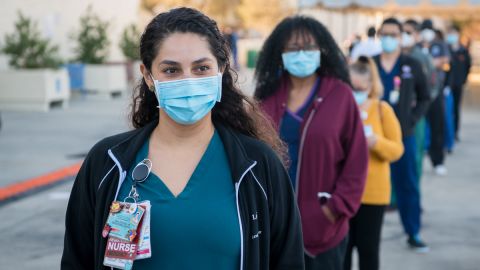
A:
328,213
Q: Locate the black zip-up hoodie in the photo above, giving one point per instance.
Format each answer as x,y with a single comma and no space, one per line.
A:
269,218
414,93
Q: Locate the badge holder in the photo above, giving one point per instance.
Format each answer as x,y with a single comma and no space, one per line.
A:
139,174
394,97
128,225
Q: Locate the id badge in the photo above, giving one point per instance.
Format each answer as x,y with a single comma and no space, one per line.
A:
364,115
144,246
368,130
120,253
394,97
123,220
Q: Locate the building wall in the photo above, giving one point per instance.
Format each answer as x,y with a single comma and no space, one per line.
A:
58,19
344,25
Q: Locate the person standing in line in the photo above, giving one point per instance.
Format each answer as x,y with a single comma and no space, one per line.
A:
369,47
460,63
303,85
406,90
384,138
410,40
200,155
354,42
231,36
436,111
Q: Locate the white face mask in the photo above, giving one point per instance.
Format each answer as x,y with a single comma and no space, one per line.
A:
407,40
428,35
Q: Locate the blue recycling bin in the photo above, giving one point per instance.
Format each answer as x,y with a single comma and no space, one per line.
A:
76,72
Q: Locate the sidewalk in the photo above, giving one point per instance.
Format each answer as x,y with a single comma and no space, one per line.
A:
450,212
35,144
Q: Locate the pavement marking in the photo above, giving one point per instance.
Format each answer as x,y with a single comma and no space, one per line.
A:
37,182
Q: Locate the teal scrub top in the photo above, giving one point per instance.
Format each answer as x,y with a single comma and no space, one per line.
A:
199,229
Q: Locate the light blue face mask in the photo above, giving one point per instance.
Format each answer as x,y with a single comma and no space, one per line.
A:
452,39
301,63
189,100
360,97
389,44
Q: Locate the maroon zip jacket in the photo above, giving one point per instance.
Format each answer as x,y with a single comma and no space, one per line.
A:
333,158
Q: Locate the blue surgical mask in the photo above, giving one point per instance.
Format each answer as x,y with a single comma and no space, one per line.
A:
360,97
452,39
301,64
389,44
189,100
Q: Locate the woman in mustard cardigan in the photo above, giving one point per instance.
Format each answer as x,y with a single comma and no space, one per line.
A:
384,137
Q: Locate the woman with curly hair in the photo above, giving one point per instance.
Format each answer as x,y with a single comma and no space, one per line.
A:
303,85
220,197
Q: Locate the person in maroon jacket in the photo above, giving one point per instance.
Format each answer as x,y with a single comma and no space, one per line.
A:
303,85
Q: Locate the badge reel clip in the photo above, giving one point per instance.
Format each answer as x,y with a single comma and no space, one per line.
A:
139,174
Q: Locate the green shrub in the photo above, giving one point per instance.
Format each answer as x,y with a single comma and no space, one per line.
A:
92,39
130,42
27,48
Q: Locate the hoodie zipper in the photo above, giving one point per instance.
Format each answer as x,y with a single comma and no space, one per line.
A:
122,173
302,142
121,177
237,191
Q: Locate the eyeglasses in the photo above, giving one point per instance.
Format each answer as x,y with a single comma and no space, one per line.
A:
306,47
393,35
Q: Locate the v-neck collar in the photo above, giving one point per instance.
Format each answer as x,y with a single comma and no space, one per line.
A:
394,67
198,172
300,111
124,152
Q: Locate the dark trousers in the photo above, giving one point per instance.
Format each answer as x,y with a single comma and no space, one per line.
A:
457,92
365,234
332,259
405,182
436,120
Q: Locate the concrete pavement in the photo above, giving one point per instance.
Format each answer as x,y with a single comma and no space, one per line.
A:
450,212
32,144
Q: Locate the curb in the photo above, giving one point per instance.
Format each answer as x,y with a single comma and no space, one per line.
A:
28,185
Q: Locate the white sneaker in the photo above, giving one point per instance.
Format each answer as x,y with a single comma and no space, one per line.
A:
440,170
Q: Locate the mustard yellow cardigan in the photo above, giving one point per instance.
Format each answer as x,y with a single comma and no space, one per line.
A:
381,119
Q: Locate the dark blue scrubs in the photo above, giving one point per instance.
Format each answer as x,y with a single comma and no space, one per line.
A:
290,131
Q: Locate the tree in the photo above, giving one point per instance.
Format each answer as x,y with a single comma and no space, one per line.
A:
130,42
26,47
92,39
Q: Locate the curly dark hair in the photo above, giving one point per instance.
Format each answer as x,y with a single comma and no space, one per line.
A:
269,69
235,111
